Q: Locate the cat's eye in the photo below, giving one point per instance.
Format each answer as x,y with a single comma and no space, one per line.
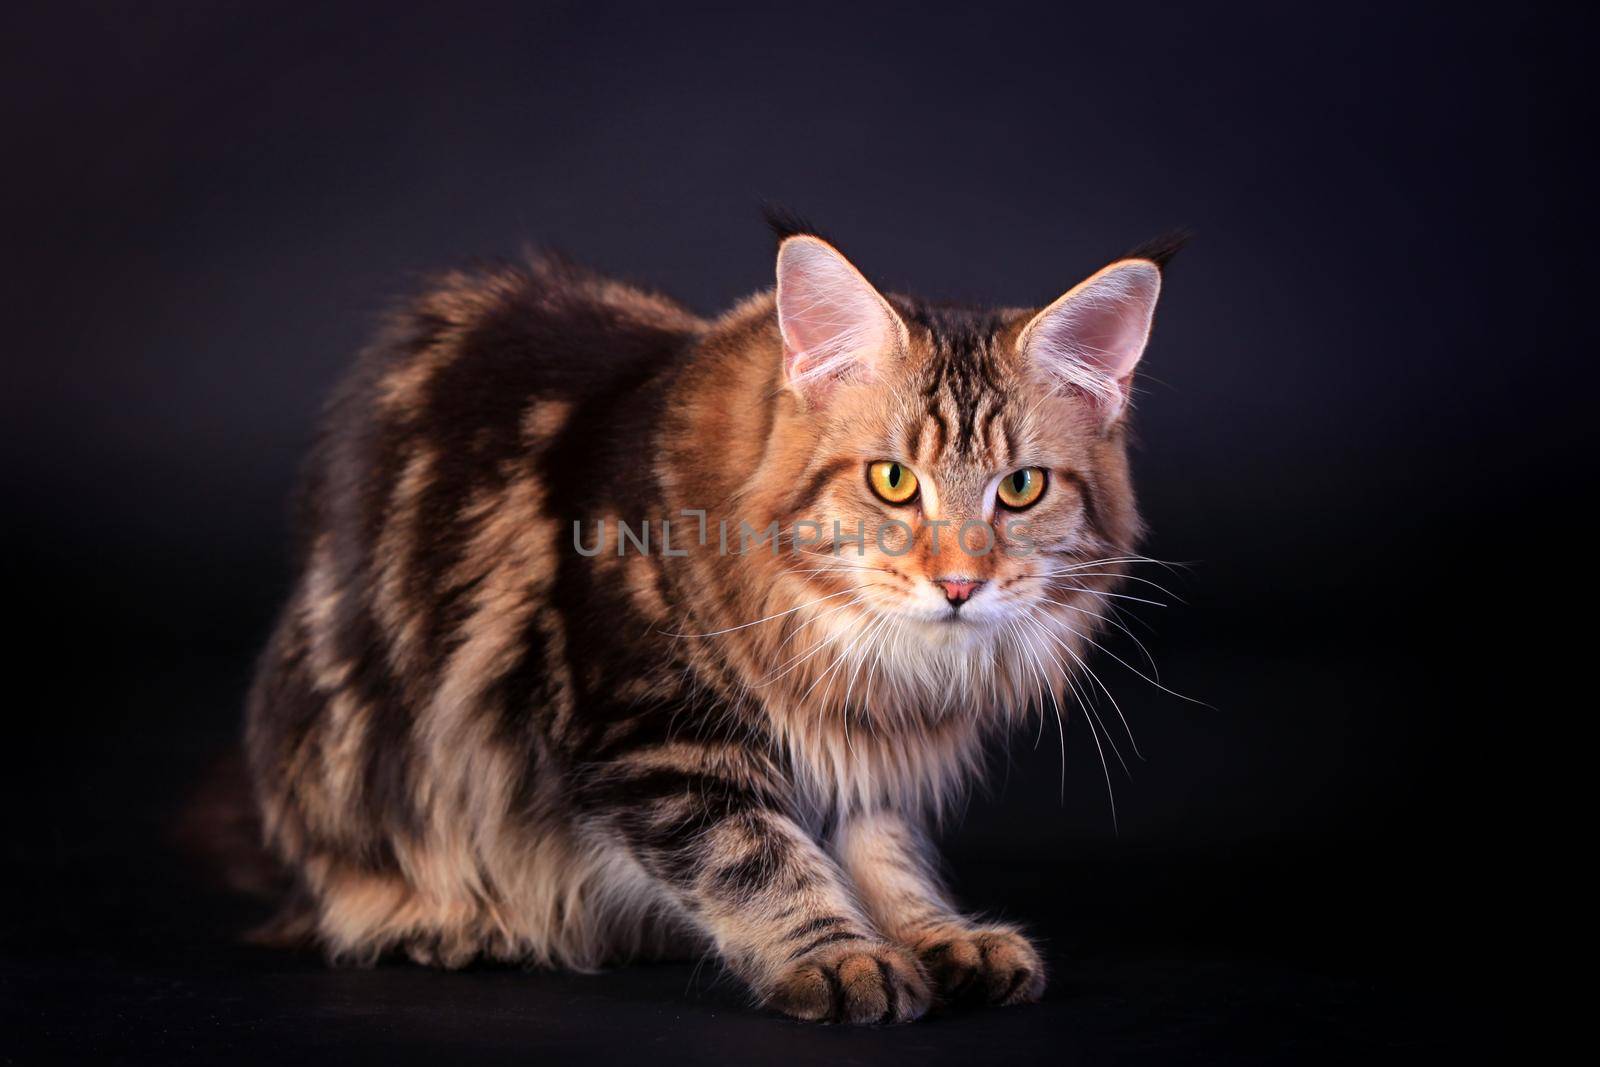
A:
1022,488
893,482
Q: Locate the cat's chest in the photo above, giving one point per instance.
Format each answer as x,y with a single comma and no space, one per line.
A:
838,767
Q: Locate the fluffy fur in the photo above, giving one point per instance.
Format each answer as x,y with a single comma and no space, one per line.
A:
488,723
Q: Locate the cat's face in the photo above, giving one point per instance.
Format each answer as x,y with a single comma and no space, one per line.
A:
968,467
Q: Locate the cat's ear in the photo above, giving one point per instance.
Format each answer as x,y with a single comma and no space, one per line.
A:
1091,338
835,325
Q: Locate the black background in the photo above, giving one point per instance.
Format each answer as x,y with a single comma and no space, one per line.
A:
1355,422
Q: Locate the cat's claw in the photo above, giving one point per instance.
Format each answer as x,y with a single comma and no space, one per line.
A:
856,982
995,964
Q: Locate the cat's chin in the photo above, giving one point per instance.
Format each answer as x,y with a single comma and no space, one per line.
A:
953,628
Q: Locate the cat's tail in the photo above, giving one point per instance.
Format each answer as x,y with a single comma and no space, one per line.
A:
218,830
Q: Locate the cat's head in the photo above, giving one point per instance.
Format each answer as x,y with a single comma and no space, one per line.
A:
978,455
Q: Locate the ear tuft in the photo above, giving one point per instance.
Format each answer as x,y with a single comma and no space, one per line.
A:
785,224
1160,250
1091,338
835,325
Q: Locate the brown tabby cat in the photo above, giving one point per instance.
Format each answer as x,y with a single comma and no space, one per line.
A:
620,630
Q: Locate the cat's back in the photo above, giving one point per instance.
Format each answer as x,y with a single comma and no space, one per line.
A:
476,345
478,373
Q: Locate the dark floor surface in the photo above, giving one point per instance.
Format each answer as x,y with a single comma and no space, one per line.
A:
128,984
125,949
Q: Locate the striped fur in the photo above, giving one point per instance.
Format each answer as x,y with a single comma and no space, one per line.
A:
469,739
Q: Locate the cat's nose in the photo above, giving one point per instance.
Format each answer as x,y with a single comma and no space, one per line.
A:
957,590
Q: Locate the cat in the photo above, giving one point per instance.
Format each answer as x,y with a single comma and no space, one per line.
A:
618,631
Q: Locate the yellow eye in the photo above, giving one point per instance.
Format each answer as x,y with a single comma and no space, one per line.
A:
1022,488
892,481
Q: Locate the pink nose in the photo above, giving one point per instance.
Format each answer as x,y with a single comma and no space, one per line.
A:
957,590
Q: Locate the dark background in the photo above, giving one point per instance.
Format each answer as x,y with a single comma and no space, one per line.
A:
1356,418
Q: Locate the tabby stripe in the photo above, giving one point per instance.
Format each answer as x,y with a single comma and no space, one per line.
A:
995,411
1090,509
767,859
813,926
944,429
817,482
663,783
826,939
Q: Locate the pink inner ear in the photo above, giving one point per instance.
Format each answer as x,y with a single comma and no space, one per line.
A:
1093,337
833,321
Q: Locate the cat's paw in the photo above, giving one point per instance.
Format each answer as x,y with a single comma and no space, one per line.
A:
853,982
992,963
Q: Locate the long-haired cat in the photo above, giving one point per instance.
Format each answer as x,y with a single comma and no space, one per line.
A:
619,630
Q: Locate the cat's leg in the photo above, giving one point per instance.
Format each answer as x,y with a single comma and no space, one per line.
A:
774,904
890,863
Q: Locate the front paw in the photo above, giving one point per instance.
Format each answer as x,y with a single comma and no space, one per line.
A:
993,963
853,982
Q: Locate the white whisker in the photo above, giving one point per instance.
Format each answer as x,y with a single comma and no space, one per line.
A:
757,622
